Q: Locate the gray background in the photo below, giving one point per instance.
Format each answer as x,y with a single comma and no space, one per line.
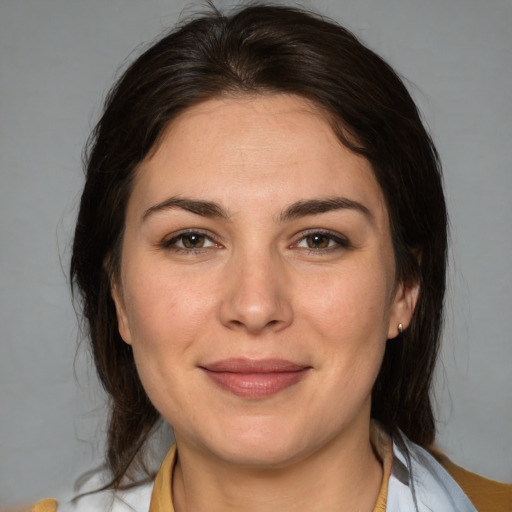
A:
57,59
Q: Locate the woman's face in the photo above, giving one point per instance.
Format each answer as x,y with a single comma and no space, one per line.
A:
257,282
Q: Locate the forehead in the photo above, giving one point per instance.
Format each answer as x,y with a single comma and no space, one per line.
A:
266,124
278,148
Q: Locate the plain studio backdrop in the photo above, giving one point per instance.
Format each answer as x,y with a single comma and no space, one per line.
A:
58,59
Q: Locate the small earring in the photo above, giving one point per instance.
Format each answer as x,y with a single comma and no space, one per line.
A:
400,329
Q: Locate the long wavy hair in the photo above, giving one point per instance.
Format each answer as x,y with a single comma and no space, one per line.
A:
264,49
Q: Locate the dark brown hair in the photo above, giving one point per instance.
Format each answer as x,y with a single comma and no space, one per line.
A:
265,49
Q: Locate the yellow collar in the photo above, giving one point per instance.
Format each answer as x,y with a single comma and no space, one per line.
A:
383,447
161,499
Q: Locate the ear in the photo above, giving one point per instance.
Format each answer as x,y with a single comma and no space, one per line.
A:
116,292
402,308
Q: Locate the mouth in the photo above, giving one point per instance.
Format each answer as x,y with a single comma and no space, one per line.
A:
249,378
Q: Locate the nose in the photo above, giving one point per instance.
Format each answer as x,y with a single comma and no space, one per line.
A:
256,295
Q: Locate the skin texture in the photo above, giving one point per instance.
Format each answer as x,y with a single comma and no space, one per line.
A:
252,285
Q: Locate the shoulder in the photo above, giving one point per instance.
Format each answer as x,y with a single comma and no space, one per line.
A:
48,505
135,499
487,495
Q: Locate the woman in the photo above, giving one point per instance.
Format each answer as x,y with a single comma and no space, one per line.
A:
261,254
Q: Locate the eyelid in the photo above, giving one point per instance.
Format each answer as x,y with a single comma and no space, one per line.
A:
172,238
340,240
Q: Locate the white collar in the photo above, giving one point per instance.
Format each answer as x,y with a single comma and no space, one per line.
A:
419,483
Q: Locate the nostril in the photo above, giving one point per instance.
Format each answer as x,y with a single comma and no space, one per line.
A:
253,326
254,305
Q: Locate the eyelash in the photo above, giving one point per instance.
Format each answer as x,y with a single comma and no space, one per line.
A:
170,244
340,242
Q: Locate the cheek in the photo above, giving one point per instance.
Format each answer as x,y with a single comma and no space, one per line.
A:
165,313
350,304
166,317
350,314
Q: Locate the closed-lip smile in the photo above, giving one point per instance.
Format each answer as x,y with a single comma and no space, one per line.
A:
255,378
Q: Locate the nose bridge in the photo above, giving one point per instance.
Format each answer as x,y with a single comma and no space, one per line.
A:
255,297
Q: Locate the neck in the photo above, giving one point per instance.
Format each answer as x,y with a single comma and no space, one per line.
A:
343,476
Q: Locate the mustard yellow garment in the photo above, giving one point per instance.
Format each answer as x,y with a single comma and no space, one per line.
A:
47,505
487,495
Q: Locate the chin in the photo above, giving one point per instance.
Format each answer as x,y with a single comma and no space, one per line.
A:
260,445
261,455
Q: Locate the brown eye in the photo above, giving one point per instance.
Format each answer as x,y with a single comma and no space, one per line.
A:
188,242
193,240
317,241
320,241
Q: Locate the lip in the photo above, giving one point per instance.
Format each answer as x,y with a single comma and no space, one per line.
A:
250,378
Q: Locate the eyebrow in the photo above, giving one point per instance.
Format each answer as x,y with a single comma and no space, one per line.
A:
199,207
317,206
296,210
